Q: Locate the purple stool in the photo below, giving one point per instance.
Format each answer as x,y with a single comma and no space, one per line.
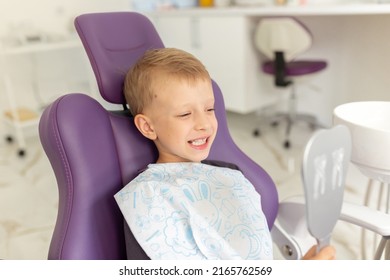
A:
281,40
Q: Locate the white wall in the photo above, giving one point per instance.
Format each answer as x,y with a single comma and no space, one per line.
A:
51,15
357,49
53,73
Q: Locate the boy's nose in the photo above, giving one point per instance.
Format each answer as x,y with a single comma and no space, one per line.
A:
202,122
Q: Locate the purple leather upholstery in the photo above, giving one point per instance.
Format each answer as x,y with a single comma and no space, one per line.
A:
95,152
91,161
113,41
225,149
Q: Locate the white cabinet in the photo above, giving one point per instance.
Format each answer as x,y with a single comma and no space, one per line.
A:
224,45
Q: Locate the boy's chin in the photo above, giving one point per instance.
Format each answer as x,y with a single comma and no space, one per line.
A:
198,158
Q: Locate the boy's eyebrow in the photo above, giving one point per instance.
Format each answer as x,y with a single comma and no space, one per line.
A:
210,100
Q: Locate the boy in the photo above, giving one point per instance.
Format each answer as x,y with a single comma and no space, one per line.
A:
180,208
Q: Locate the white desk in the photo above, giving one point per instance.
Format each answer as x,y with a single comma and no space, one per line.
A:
31,48
14,117
354,38
288,10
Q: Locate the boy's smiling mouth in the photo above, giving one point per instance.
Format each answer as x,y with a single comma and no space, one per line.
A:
198,142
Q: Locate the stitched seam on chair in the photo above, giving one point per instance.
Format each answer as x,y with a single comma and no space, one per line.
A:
67,176
110,116
116,146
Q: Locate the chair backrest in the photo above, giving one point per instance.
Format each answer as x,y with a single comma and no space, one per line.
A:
282,34
95,152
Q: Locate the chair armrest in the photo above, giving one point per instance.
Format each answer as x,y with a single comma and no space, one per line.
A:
290,232
292,237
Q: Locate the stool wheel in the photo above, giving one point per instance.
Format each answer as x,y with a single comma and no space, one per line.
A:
9,139
256,132
21,153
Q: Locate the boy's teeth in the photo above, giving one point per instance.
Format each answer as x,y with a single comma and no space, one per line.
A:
198,142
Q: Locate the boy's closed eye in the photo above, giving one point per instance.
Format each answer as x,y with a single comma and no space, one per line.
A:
183,115
187,114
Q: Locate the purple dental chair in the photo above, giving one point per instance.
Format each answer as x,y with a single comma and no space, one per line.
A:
94,152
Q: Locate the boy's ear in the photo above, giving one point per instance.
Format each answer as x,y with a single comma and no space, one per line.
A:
144,125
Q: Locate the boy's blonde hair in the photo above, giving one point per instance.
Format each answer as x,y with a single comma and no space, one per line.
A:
156,66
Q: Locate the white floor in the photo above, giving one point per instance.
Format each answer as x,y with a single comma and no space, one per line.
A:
28,192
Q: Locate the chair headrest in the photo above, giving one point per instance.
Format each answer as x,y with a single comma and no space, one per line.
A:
114,41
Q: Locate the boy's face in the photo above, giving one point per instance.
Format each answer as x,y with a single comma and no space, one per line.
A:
181,120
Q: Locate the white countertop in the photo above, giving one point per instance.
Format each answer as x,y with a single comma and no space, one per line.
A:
40,47
270,10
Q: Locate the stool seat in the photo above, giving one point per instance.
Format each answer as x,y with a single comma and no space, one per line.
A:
296,68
